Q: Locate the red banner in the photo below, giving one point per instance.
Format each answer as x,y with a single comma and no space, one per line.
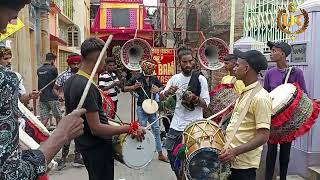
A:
166,66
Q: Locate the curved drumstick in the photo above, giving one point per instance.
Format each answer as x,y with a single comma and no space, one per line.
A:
86,89
156,121
51,82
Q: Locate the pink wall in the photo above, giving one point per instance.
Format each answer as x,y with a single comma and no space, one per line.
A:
53,24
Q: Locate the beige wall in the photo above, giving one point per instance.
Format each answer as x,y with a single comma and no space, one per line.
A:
23,49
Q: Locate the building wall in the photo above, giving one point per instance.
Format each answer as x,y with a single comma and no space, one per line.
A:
53,23
23,47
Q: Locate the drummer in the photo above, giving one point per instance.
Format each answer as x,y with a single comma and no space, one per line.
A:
273,78
246,146
230,62
152,86
199,97
95,145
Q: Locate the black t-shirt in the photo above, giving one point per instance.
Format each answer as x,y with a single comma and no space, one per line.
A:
47,73
153,80
73,90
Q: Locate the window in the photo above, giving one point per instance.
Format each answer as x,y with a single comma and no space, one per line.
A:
63,55
120,18
73,36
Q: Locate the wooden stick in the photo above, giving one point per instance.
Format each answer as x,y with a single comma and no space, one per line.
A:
51,82
86,89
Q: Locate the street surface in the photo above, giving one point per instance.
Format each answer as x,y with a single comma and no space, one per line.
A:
156,170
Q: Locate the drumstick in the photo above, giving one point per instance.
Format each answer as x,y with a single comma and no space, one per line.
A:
220,112
86,89
143,90
156,121
51,82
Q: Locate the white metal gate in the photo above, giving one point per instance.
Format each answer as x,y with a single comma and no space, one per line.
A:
260,20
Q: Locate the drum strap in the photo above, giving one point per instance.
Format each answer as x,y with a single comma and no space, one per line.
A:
242,115
288,75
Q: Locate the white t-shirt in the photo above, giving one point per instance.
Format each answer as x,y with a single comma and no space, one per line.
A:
22,89
183,117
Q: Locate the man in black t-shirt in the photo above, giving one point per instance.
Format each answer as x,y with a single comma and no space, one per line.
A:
95,145
48,101
152,86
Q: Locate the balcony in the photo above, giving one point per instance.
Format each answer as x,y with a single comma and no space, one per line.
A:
66,7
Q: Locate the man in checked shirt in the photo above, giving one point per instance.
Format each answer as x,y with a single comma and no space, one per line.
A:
73,63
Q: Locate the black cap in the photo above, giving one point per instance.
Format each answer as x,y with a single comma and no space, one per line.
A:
50,56
285,47
230,57
255,59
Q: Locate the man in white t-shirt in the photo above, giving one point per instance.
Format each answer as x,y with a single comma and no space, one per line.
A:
191,92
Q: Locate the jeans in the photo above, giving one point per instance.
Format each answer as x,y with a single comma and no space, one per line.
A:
283,159
144,118
173,139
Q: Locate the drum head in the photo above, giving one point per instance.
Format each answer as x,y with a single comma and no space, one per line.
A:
281,97
150,106
204,164
137,155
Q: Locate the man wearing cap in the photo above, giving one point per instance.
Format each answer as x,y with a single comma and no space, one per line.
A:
48,100
230,62
273,78
245,149
73,61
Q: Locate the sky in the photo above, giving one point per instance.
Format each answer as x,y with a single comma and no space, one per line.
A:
150,2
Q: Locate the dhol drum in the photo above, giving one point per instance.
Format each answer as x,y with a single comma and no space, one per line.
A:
204,141
134,154
293,113
150,106
222,98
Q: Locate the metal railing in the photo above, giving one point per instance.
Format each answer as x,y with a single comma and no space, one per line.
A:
66,7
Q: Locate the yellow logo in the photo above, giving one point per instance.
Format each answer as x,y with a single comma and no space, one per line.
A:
286,20
11,29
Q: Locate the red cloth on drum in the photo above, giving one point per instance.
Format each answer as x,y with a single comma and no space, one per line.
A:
35,133
284,116
289,116
45,177
108,105
216,90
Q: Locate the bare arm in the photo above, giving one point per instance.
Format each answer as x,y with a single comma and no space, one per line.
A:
100,129
25,98
56,90
260,139
202,103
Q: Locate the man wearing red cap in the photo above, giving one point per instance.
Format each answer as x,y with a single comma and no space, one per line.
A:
73,63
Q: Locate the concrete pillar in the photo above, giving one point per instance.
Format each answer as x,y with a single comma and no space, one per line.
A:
45,36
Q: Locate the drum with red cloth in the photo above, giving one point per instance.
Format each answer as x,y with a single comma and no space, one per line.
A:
222,98
108,105
293,113
33,127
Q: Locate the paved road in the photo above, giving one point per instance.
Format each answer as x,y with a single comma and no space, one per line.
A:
156,170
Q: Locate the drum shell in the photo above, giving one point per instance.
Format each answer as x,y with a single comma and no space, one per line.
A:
203,134
132,153
117,146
